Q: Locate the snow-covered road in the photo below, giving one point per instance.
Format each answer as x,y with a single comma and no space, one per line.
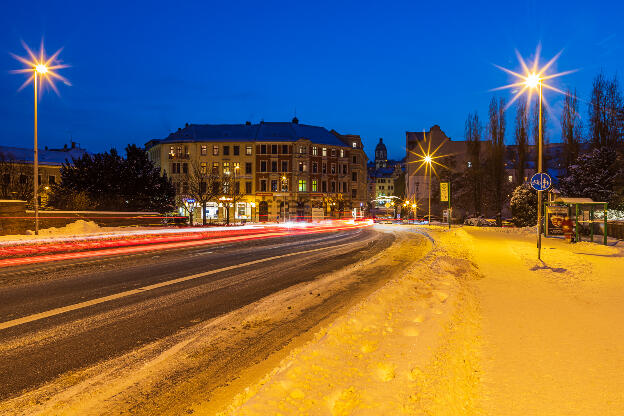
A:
478,327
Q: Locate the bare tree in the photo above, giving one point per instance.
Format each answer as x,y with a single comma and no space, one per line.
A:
521,135
473,178
535,130
15,179
496,159
605,110
230,192
203,185
571,127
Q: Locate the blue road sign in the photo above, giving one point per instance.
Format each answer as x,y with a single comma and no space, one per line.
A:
541,181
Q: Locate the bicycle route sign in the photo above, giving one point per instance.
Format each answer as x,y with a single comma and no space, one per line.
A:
541,181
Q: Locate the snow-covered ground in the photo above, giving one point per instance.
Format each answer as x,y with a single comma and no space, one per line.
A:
478,327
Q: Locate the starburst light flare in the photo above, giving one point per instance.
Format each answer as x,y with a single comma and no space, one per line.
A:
41,67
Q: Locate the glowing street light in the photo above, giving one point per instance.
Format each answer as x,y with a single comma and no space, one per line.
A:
41,69
534,80
428,159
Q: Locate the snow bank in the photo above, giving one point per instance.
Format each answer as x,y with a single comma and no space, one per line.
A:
78,227
384,356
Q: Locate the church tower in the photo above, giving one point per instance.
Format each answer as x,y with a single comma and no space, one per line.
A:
381,155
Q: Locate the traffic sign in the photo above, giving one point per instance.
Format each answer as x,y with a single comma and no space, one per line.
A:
541,181
190,201
444,191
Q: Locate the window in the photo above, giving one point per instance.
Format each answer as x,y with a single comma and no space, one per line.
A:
333,168
263,149
301,166
247,187
354,145
175,168
274,166
469,164
215,150
314,185
204,150
202,167
324,152
302,150
341,152
344,187
284,166
273,149
263,185
333,187
344,169
51,179
274,185
226,168
23,179
324,186
324,167
263,166
236,187
247,168
248,150
285,149
354,159
226,187
284,185
302,185
226,150
215,167
354,176
510,178
185,187
236,166
314,167
179,151
171,151
314,151
236,150
333,153
353,193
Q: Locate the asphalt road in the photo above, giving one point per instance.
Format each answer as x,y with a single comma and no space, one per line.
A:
55,318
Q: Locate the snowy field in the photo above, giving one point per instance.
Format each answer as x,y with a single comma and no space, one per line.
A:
479,327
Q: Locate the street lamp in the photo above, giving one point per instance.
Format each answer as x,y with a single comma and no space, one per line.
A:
41,69
533,79
284,183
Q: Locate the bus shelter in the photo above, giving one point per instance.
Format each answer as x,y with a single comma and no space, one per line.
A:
581,211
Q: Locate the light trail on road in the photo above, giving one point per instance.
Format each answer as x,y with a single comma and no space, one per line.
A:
123,247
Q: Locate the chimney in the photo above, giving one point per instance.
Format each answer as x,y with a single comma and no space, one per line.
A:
185,124
248,123
65,146
295,120
73,144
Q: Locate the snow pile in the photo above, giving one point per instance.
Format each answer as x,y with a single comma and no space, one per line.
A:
385,356
75,228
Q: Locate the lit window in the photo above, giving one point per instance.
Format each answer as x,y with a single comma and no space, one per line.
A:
341,152
324,151
354,145
510,178
215,150
469,164
314,185
302,185
314,151
204,150
248,150
226,168
203,167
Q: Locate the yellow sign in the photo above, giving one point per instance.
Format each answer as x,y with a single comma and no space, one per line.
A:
444,191
388,205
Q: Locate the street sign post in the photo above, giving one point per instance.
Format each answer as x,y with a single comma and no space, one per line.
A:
445,196
541,181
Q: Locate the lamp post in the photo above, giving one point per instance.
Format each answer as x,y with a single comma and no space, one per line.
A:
284,183
40,68
427,160
533,79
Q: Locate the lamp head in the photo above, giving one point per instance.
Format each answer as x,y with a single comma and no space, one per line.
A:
41,69
532,80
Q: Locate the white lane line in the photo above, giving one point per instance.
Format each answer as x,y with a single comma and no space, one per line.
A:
81,305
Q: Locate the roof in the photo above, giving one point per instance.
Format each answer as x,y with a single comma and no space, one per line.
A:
568,200
261,132
380,146
45,157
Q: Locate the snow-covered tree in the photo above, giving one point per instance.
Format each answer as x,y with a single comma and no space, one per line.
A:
593,175
524,206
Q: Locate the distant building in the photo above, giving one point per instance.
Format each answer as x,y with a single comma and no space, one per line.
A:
324,171
16,169
384,181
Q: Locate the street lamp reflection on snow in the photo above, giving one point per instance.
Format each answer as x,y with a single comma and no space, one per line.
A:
41,69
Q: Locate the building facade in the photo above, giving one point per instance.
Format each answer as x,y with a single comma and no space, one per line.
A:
281,170
384,182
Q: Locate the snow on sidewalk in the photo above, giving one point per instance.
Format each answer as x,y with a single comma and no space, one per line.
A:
553,339
478,327
401,351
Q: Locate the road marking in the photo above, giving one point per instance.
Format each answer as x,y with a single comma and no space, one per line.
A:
81,305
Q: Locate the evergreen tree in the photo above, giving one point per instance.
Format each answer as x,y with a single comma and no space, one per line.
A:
594,175
524,206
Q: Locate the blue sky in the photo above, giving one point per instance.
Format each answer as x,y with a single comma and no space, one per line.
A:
140,70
